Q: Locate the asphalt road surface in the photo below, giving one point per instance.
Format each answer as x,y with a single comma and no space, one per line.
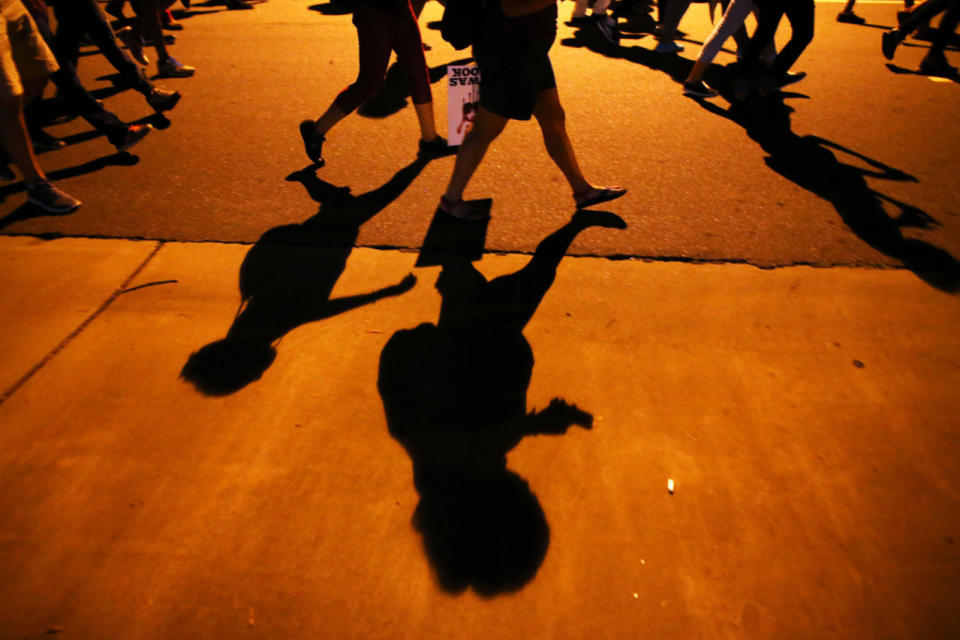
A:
824,176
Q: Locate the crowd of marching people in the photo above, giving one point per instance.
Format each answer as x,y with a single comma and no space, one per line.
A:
510,42
40,41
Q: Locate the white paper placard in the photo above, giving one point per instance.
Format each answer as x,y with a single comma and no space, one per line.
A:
463,98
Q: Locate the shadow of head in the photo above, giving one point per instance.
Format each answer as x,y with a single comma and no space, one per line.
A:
226,366
488,533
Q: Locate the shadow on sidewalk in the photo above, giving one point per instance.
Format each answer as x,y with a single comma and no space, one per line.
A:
810,162
287,277
455,397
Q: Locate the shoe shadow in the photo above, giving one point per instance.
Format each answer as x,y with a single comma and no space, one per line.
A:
393,93
455,397
287,277
338,8
916,72
675,66
811,162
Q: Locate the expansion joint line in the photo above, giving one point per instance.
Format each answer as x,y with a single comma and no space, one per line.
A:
83,325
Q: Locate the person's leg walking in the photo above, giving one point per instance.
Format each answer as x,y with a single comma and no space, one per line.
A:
552,120
486,127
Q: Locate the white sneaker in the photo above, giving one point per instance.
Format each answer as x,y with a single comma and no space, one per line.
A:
665,46
170,68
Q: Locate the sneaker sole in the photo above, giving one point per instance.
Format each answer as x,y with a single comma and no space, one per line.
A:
53,209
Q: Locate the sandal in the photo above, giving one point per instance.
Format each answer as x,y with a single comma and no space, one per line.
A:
594,196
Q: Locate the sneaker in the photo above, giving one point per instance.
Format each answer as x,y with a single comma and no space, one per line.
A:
170,68
850,17
135,133
698,89
161,100
608,28
168,22
790,78
312,141
594,196
668,46
134,45
48,197
43,141
436,148
579,21
935,64
888,43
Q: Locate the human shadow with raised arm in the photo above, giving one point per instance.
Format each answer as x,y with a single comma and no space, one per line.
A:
455,397
287,277
810,162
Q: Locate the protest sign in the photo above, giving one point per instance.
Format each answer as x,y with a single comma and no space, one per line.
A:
463,97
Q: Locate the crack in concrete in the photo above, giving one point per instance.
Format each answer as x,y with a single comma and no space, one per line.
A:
123,288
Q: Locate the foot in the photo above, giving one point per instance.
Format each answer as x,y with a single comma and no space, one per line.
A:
312,141
135,133
698,89
134,45
594,196
598,219
668,46
43,141
49,198
608,28
436,148
171,68
889,41
168,22
850,18
461,210
935,64
790,78
161,100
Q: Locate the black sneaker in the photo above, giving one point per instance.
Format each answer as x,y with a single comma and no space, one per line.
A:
436,148
608,29
135,133
888,43
698,89
161,100
48,197
850,17
43,141
312,141
936,65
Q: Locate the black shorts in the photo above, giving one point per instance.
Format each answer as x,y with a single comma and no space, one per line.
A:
513,57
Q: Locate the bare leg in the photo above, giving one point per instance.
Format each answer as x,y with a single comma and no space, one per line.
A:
486,127
428,128
552,120
13,130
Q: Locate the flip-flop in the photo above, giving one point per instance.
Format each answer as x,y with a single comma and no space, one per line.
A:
596,196
461,210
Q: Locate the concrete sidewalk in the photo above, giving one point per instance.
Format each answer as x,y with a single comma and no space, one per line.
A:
808,418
